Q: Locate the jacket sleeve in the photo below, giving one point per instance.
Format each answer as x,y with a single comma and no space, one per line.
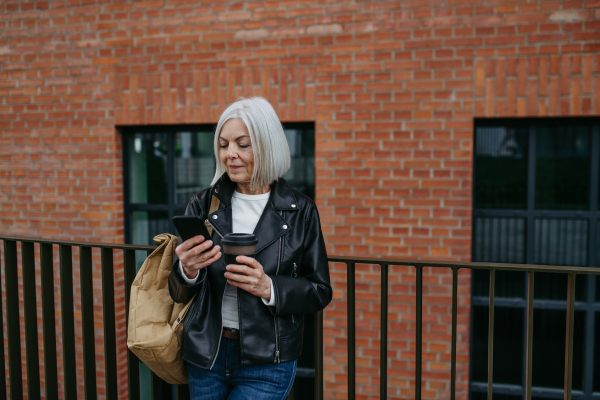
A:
311,290
179,289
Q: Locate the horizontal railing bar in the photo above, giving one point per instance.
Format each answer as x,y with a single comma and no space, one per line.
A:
75,243
358,260
471,265
305,372
539,304
579,214
509,389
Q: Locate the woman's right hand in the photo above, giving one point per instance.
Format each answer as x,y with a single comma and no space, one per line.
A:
194,255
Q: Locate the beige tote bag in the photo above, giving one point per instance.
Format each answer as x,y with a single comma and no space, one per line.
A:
155,325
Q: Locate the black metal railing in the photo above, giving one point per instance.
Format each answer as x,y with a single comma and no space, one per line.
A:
110,348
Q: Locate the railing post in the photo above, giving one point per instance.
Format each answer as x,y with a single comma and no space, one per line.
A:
133,363
12,320
491,335
30,317
48,320
68,321
108,308
318,318
569,336
87,321
350,296
529,359
419,333
454,323
2,366
383,331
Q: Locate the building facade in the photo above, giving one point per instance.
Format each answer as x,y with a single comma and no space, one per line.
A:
394,96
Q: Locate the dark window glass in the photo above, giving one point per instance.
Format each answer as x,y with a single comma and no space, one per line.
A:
499,240
508,345
301,175
501,167
194,164
562,167
509,284
549,348
561,241
148,153
144,226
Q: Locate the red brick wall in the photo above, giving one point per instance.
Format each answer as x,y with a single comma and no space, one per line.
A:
393,88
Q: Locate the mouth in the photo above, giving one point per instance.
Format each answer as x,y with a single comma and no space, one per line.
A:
234,167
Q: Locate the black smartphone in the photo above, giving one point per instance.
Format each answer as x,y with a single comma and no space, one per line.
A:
189,226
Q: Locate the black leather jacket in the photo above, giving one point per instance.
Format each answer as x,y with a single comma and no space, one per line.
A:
292,252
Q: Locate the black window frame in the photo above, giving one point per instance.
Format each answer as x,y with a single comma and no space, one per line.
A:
591,306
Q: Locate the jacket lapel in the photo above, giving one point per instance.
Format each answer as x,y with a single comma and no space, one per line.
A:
271,226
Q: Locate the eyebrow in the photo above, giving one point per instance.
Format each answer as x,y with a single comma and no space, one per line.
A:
237,138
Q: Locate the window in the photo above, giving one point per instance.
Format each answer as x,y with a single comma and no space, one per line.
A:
536,201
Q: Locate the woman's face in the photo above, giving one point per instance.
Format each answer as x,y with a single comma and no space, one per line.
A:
235,151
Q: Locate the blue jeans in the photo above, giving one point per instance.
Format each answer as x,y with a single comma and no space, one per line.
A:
228,379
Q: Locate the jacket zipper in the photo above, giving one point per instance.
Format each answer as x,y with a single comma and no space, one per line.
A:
207,222
294,274
221,332
276,361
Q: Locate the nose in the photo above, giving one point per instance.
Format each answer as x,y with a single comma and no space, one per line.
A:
231,153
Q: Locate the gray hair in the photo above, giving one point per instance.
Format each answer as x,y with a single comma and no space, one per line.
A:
269,144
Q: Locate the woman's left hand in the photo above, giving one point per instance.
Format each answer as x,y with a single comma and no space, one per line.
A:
250,277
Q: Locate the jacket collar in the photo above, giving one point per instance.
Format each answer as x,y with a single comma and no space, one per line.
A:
282,196
271,225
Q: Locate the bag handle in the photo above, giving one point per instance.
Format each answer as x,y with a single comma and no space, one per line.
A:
214,206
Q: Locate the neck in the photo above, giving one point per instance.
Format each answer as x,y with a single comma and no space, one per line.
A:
244,188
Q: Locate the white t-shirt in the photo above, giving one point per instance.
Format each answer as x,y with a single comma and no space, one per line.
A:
246,211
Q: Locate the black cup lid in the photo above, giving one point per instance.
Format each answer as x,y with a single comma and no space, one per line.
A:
240,239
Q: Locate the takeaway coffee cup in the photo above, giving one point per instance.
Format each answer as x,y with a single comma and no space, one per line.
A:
238,244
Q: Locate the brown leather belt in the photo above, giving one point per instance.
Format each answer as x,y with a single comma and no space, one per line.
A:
231,333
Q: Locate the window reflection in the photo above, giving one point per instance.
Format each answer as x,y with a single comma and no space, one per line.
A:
301,175
562,168
501,167
194,164
148,168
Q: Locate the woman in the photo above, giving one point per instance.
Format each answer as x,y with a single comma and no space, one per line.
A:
243,334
